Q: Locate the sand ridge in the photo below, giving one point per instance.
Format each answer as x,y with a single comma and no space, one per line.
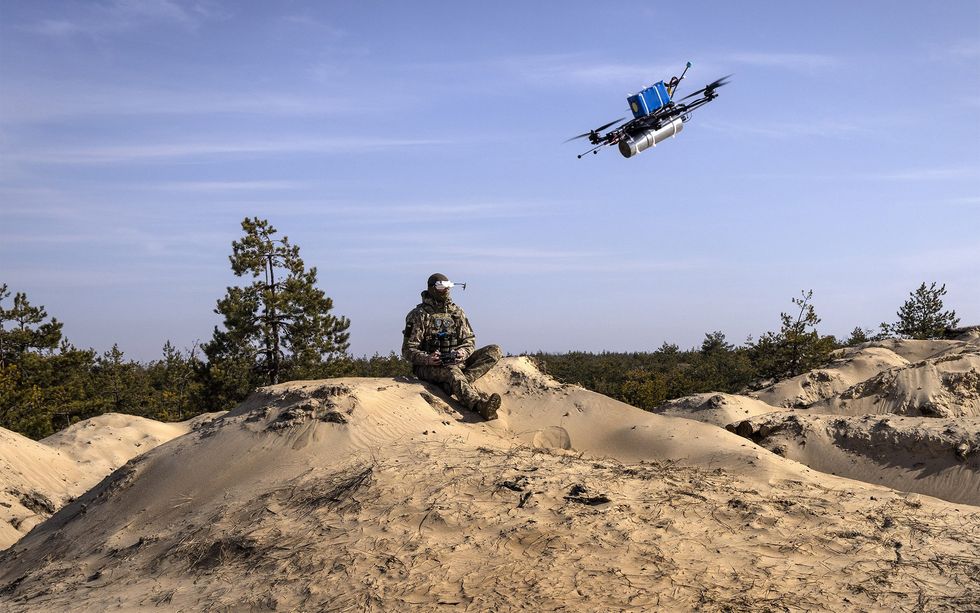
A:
931,449
39,477
380,494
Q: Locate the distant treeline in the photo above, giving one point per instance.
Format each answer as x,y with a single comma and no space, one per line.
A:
280,328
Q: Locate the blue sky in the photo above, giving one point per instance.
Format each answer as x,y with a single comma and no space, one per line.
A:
393,140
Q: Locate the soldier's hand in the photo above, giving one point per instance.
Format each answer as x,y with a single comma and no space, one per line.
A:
434,359
460,355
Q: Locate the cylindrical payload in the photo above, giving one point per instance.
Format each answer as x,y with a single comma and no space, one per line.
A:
641,141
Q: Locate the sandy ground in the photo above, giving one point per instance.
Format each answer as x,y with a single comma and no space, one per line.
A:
379,494
939,456
39,477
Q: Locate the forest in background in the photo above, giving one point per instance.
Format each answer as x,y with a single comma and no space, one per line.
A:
280,327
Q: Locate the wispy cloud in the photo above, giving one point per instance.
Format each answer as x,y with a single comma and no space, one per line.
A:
966,200
103,18
790,61
225,186
824,128
306,20
586,70
964,49
39,100
579,69
527,260
929,174
170,151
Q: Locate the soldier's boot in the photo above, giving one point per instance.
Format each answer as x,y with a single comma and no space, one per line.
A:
481,361
487,407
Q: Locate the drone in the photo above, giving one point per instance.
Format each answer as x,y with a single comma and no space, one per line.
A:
656,116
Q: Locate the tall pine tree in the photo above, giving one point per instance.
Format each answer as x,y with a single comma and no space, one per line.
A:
277,328
922,316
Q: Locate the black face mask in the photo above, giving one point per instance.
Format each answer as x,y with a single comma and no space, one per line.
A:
439,296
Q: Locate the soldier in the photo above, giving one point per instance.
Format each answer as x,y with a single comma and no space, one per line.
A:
439,323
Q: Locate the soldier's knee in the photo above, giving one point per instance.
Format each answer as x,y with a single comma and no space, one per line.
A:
495,352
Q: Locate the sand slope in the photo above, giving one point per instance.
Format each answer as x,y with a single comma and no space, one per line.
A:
948,386
716,408
854,366
35,481
377,494
39,477
939,457
934,384
106,442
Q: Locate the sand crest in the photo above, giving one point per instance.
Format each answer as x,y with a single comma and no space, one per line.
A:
380,494
39,477
938,457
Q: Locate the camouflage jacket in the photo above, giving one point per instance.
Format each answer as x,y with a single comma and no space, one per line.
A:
429,318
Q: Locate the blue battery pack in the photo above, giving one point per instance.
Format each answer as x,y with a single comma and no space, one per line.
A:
648,100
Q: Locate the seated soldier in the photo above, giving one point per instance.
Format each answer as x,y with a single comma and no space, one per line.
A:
439,343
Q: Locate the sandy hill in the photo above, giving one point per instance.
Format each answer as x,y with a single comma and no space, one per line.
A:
932,449
38,477
716,408
901,375
35,481
377,494
939,457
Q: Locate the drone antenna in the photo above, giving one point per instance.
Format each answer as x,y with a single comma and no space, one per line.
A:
681,78
592,150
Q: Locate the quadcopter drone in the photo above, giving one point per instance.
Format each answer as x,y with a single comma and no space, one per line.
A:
655,117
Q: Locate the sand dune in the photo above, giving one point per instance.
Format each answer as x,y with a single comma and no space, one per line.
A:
378,494
35,481
852,367
716,408
938,457
948,386
38,478
938,394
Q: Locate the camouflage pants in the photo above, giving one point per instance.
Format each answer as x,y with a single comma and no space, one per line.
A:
456,379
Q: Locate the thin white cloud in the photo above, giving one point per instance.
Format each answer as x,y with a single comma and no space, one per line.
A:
527,260
966,200
96,19
929,174
946,260
580,69
964,49
790,61
224,186
824,128
40,100
168,151
308,21
546,70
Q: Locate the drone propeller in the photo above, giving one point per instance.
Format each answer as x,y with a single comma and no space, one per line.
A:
597,130
709,88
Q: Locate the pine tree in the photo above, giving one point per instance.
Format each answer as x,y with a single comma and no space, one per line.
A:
922,316
278,327
797,347
175,382
27,329
859,335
